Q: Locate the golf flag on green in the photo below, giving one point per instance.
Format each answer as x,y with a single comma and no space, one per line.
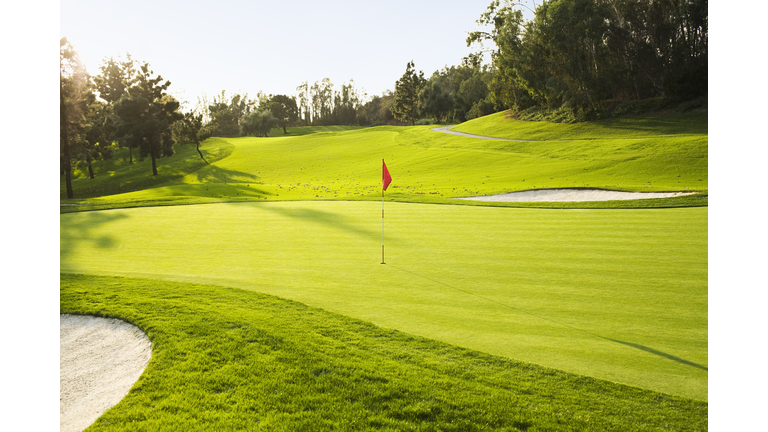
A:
385,177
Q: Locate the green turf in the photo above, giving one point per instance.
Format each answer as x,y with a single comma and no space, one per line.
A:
648,126
632,154
226,359
613,294
117,175
613,290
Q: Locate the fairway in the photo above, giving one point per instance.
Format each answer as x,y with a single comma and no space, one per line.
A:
428,165
612,294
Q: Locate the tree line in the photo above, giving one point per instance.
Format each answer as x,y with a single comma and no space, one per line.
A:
583,55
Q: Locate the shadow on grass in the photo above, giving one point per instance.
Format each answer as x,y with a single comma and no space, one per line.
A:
72,234
216,174
659,353
328,219
630,344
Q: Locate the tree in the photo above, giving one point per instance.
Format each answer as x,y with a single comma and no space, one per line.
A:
346,104
407,89
74,98
258,123
111,84
581,53
96,144
435,102
284,109
146,114
190,130
303,103
321,96
226,113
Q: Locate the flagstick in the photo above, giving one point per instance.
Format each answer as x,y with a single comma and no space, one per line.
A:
382,226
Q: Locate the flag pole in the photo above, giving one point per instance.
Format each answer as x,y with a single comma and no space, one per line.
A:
386,179
382,226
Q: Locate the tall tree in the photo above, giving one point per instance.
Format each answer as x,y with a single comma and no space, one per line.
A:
74,98
96,144
407,89
115,77
346,104
146,113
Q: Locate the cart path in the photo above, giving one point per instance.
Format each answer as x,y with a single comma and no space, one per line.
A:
447,129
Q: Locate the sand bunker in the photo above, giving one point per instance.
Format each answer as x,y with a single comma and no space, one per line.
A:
573,195
99,361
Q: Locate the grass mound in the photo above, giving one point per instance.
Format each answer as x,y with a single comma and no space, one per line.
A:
226,359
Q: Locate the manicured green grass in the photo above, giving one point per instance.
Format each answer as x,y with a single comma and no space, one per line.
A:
607,290
117,175
613,294
227,359
662,153
648,126
427,164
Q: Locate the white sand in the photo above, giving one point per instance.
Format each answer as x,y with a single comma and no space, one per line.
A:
99,361
573,195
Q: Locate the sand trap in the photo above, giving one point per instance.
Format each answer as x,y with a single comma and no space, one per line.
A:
99,361
573,195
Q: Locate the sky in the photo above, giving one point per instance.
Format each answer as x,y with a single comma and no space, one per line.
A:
270,46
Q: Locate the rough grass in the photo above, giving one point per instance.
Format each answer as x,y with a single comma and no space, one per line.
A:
226,359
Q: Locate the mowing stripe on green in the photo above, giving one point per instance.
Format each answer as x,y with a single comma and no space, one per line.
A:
619,295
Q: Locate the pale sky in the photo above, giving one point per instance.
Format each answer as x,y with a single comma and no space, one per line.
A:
247,46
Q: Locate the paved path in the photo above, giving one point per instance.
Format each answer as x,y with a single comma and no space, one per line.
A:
446,129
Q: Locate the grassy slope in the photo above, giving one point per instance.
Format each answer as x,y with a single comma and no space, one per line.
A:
430,167
224,359
620,295
116,175
502,126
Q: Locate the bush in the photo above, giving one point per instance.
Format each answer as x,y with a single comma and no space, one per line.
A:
426,121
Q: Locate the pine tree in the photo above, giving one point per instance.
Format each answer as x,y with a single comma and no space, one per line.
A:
407,89
146,114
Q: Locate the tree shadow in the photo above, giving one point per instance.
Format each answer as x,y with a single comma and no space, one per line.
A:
328,219
659,353
216,174
72,235
630,344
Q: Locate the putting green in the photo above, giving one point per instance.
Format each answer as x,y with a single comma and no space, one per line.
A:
613,294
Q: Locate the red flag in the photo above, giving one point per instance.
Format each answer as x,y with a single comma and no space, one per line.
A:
386,178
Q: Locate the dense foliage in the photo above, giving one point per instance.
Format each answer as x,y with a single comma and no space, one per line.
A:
586,54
